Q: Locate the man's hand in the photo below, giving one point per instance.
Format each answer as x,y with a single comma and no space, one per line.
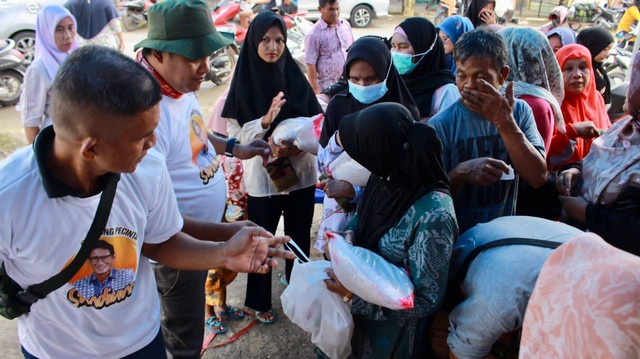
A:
338,189
586,129
575,207
274,110
489,103
284,149
253,250
254,148
483,171
235,227
567,181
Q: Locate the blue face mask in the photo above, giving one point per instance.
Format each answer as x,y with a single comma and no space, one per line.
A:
369,94
404,62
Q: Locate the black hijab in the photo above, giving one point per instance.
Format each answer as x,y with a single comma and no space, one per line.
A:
91,15
473,8
597,39
376,53
405,160
432,71
255,82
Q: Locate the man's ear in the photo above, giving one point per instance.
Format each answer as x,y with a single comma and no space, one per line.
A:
504,74
88,148
319,8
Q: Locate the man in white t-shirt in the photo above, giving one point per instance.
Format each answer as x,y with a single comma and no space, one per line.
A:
50,194
178,57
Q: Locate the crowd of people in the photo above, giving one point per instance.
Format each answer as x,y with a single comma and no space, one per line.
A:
489,153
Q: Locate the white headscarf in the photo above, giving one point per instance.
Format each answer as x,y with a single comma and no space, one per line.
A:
46,49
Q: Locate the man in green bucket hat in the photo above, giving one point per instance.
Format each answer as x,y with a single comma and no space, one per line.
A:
176,51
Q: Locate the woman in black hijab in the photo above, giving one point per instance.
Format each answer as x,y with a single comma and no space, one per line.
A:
267,88
406,216
599,41
371,78
418,55
481,12
374,53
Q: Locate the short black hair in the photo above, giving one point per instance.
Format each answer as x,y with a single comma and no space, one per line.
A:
102,244
482,43
323,3
99,79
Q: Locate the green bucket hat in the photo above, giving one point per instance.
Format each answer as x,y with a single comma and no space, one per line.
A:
182,27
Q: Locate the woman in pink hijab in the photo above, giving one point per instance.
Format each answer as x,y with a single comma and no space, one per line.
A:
55,40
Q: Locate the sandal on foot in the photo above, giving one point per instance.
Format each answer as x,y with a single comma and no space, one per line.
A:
214,325
231,312
260,317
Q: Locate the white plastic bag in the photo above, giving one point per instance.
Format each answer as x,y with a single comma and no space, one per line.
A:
303,131
310,305
345,168
369,276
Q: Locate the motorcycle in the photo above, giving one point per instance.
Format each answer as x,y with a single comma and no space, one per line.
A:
135,14
12,72
443,11
297,28
617,64
618,97
607,18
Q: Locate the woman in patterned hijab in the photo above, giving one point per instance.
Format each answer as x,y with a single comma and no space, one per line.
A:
537,77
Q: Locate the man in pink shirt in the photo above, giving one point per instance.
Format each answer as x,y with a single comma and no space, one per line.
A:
326,46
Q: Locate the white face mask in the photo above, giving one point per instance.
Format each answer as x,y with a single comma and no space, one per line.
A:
369,94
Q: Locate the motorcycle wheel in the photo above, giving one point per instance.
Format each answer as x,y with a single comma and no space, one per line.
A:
575,26
10,87
130,21
230,58
439,18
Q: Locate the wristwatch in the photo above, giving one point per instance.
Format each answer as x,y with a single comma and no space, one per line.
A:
228,150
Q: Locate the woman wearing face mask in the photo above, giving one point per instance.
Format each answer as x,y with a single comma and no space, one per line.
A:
419,57
55,40
450,31
267,88
599,41
583,109
372,78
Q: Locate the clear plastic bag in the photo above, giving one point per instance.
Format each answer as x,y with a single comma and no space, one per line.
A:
310,305
369,276
345,168
302,131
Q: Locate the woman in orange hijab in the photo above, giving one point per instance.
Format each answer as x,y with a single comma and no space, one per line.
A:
583,108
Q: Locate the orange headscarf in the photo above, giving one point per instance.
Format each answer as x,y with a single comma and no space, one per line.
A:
585,106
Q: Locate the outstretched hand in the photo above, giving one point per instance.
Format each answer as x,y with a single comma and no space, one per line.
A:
489,102
256,147
254,250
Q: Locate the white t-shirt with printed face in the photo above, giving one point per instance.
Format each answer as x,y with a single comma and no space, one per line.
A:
40,235
194,167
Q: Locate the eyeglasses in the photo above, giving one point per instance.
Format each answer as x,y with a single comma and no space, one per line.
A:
97,259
